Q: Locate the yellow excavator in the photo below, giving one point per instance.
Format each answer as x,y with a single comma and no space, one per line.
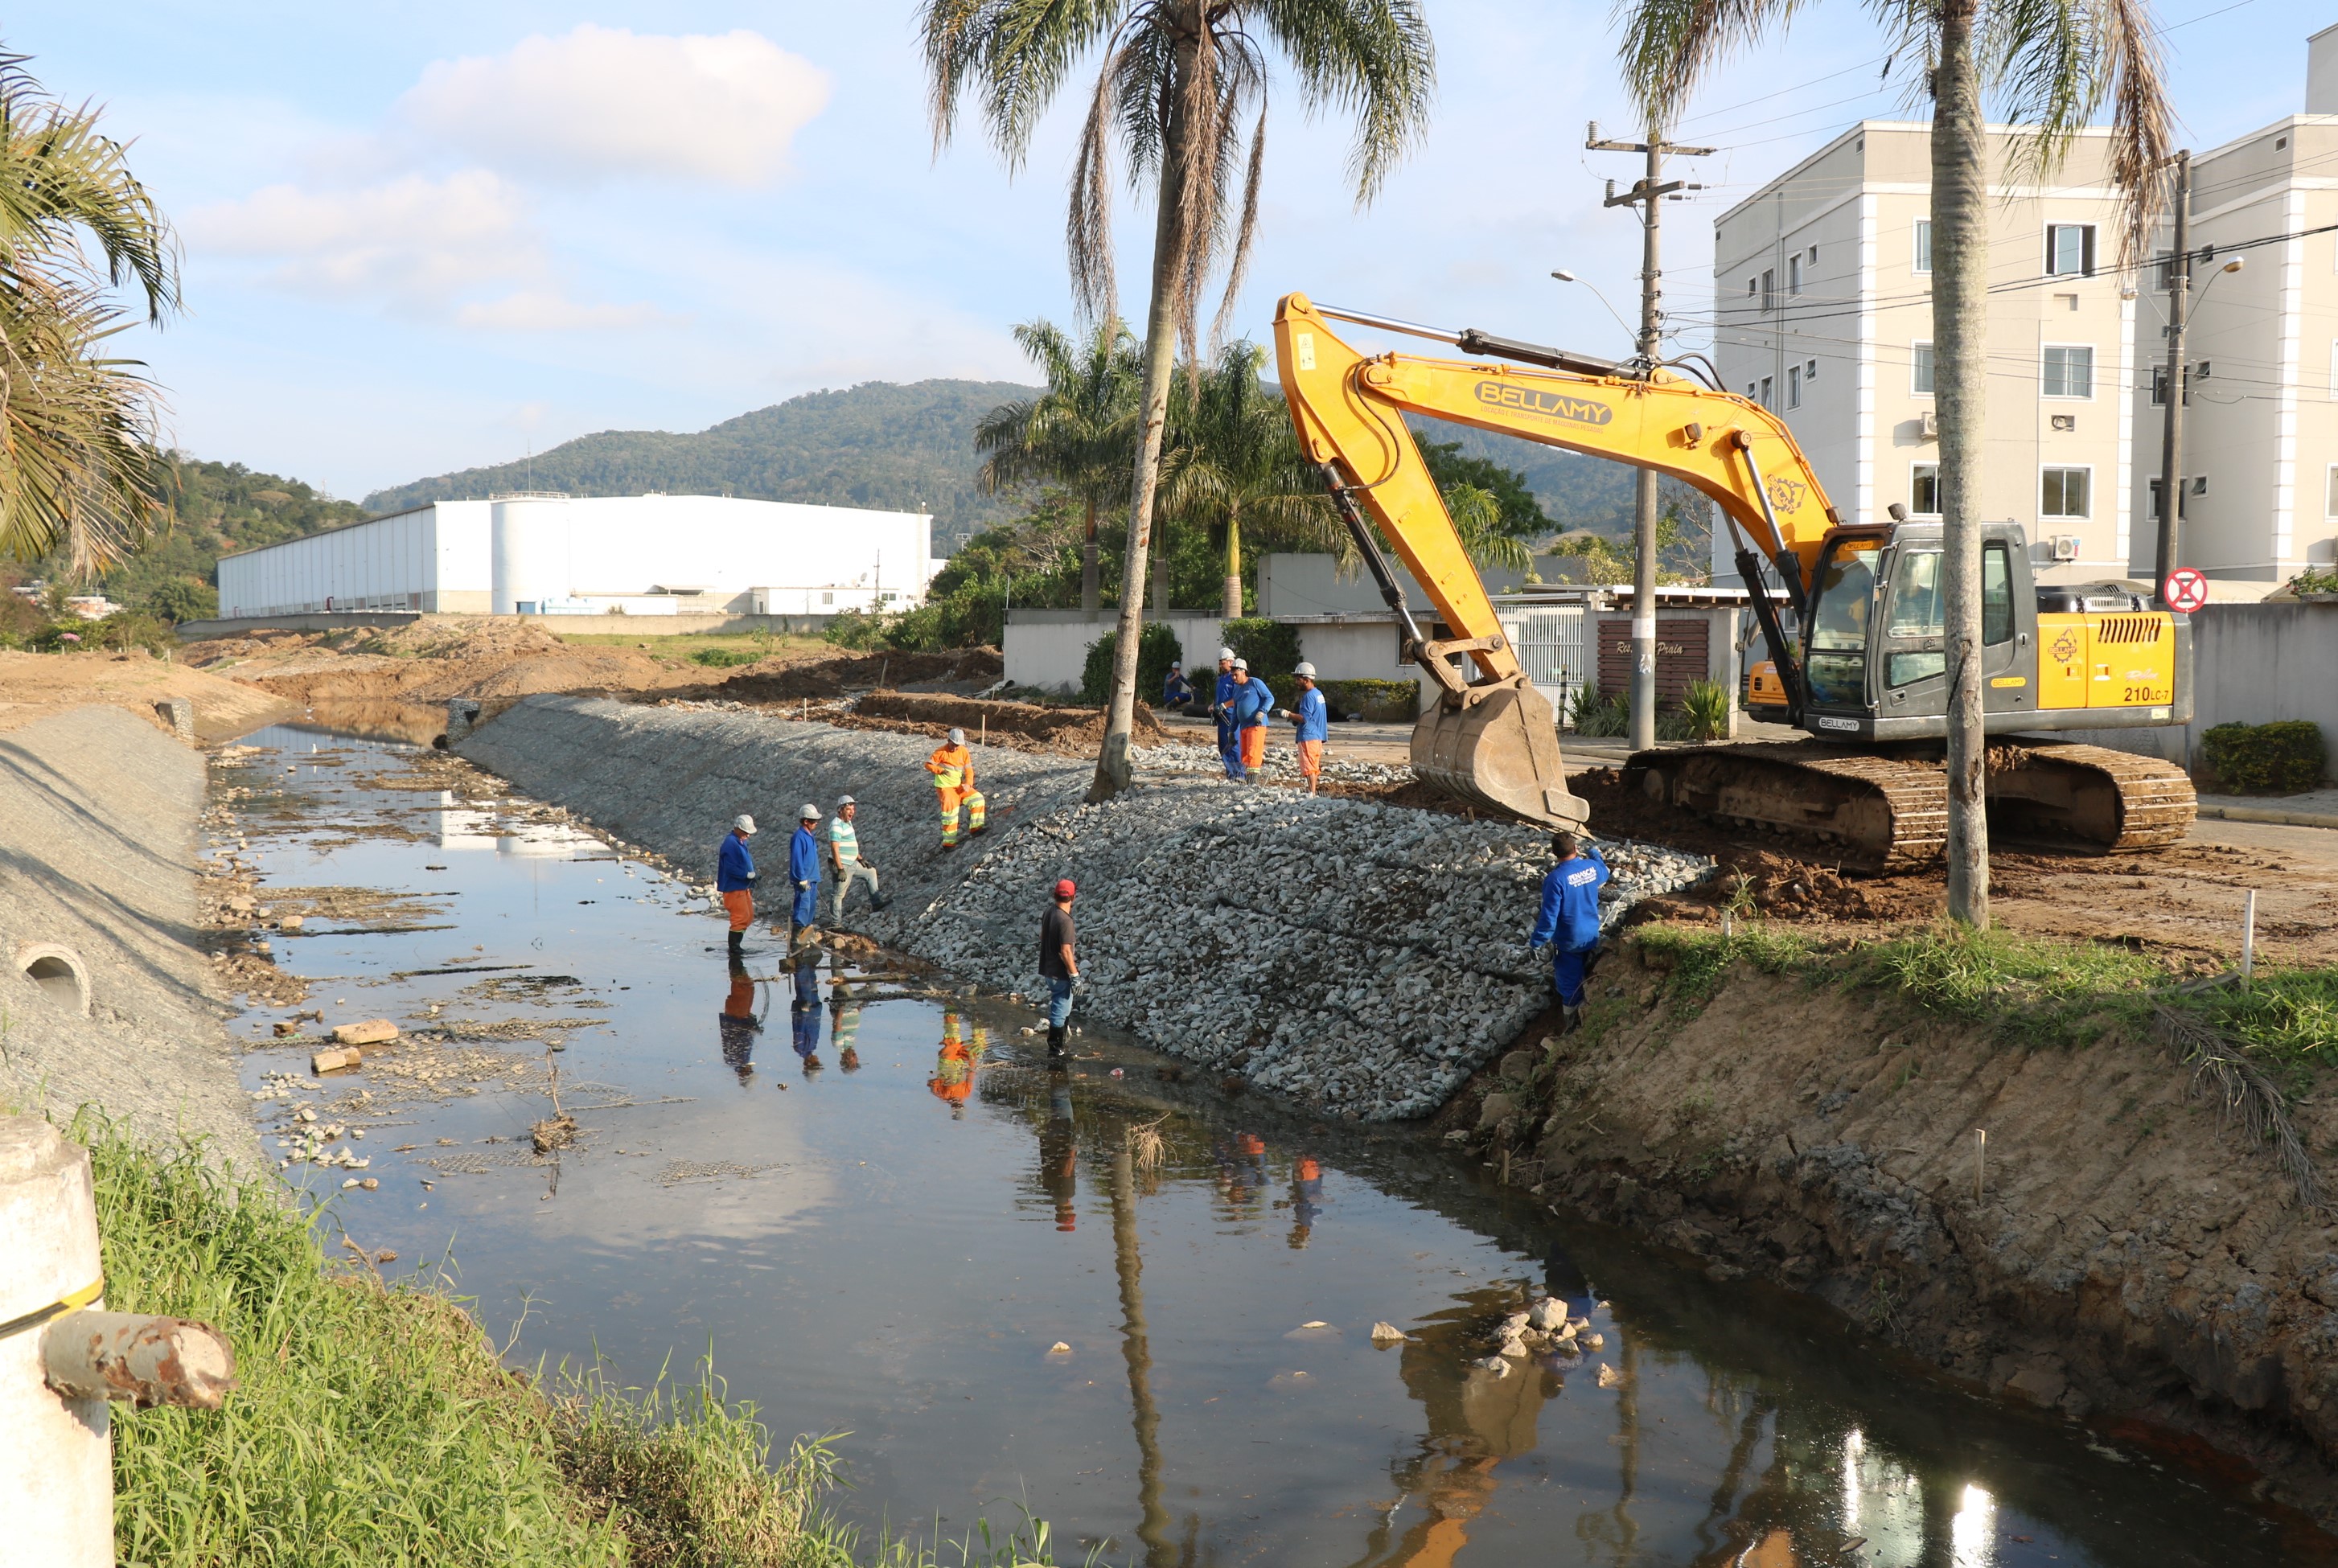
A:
1849,614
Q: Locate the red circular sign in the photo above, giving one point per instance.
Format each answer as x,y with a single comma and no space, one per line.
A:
2185,589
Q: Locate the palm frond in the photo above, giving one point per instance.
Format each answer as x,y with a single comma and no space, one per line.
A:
1372,59
1669,47
2053,63
1087,230
1015,53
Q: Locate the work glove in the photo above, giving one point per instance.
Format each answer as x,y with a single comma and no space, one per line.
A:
752,876
801,886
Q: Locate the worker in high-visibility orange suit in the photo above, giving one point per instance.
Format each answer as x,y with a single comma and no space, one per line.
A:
952,767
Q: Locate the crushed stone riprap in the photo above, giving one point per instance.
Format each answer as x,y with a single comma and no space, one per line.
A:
1358,957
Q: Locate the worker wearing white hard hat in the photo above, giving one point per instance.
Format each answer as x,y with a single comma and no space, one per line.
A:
803,869
952,767
1249,706
844,849
734,878
1311,720
1222,710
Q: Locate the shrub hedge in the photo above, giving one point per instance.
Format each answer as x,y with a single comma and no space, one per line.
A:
2277,759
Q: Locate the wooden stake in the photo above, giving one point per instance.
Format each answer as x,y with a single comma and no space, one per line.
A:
1981,1159
2248,935
985,738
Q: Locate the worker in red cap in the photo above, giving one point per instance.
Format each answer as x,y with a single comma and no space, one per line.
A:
1058,966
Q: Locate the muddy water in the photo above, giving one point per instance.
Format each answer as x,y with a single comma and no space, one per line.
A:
1131,1302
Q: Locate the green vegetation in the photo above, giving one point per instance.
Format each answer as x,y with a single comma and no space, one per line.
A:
1156,650
1078,435
1595,714
2283,757
1380,702
732,648
881,444
373,1423
1705,706
1698,956
2037,990
1271,649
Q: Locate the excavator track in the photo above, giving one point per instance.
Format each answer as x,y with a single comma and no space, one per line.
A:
1878,813
1886,813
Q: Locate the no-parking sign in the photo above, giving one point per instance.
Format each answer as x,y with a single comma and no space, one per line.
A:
2185,589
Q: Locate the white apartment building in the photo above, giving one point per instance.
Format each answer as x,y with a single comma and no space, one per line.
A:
1823,313
2260,456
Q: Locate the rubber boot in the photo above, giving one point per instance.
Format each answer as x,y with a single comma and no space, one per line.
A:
738,942
1055,1042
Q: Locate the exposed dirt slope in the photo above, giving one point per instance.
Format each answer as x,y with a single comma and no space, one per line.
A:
42,685
2133,1256
1073,729
432,660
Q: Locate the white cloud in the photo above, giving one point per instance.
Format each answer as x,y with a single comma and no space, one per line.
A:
604,102
547,310
419,238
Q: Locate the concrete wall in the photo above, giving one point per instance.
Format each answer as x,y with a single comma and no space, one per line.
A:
1049,648
2252,664
719,624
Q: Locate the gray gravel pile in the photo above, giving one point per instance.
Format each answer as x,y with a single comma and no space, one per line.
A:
1358,957
1281,762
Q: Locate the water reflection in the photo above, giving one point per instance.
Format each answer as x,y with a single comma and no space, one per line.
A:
739,1023
955,1064
805,1013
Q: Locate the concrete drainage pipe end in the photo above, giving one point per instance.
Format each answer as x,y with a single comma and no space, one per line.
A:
58,971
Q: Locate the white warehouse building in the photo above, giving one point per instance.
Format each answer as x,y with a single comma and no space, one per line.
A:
593,555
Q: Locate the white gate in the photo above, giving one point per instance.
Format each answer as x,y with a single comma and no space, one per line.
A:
1555,649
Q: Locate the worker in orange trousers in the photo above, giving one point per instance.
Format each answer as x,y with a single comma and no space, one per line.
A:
952,767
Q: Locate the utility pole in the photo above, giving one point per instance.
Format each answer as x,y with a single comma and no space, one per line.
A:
2171,425
1646,194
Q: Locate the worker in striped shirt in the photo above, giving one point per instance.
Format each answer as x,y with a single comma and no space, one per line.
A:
844,849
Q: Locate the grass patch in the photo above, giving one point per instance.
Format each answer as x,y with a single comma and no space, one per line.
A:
2290,1016
732,647
374,1424
2038,989
1698,956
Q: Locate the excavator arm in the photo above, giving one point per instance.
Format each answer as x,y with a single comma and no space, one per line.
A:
1349,410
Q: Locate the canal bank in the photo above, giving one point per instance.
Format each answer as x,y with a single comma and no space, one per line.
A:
1355,958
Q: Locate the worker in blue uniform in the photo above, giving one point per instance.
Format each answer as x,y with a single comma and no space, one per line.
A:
1568,921
1221,708
804,870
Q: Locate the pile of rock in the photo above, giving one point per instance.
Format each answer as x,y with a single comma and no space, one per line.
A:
1543,1329
1357,957
1281,763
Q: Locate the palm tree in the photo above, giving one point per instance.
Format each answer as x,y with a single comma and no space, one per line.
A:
79,468
1077,433
1179,79
1233,453
2052,63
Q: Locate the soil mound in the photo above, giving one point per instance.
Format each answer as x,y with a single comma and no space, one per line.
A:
1080,729
790,679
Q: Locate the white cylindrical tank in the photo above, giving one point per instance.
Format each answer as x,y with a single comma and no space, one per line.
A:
56,1461
530,553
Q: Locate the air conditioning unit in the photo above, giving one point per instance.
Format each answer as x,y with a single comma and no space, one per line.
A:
2066,546
1929,427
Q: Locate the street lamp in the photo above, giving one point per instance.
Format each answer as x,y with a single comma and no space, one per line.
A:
1564,276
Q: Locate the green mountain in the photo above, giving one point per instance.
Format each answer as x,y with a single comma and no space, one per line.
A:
1574,491
880,444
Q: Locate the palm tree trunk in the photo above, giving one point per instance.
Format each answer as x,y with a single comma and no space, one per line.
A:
1233,604
1091,584
1113,769
1960,329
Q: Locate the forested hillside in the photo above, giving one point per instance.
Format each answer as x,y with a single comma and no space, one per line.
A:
881,444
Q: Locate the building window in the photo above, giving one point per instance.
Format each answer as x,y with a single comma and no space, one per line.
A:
1920,369
1924,490
1793,385
1923,244
1814,255
1753,287
1794,273
2068,370
1769,393
1810,370
2070,249
1753,392
2065,493
2183,508
1769,290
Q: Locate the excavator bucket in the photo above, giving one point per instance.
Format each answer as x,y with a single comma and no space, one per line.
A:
1496,744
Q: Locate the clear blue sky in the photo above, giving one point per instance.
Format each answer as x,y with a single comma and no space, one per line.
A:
433,235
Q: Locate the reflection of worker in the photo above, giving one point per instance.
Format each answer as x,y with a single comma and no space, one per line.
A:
734,877
844,847
845,1028
1310,722
954,1065
1060,967
804,870
1059,1151
952,766
739,1023
804,1011
1568,921
1306,1199
1242,1169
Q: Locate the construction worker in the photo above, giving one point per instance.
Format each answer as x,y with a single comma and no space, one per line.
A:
1059,964
1177,691
952,767
803,869
844,848
1311,723
1229,743
1250,705
734,878
1568,922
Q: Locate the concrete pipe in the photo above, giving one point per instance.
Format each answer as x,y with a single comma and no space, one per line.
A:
144,1361
58,971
